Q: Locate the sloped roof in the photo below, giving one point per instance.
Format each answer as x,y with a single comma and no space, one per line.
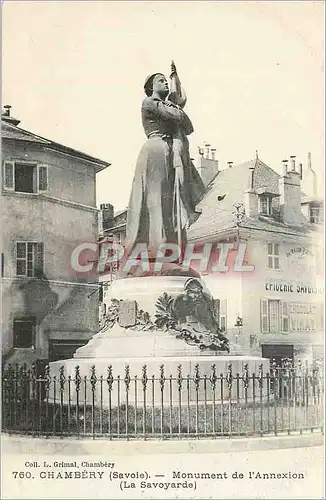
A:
218,216
273,226
13,132
119,212
9,131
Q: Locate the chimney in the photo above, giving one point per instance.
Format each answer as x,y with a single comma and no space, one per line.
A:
285,168
251,203
107,215
6,116
292,163
309,181
251,197
290,195
309,161
230,163
208,166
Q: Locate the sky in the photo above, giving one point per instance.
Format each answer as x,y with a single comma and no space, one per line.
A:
253,73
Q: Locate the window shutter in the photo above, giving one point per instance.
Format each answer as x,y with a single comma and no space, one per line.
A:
21,256
285,317
31,259
217,308
319,316
223,315
42,177
9,175
39,260
264,315
2,265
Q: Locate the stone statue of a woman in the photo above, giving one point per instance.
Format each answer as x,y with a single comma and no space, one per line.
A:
153,215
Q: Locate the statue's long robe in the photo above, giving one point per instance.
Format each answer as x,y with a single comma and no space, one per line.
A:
152,206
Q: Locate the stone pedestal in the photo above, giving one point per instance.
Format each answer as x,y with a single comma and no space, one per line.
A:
188,376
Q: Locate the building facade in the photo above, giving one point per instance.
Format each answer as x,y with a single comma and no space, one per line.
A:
272,286
48,206
264,235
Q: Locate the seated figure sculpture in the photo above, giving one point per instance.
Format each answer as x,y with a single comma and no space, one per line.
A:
197,316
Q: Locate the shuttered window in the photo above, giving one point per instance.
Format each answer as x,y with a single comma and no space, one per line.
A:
274,316
25,177
273,257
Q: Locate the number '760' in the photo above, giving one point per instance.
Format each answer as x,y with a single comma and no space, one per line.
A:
22,475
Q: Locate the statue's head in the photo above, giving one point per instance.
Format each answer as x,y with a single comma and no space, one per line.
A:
156,83
193,289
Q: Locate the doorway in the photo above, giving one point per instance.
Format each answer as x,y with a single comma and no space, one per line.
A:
278,352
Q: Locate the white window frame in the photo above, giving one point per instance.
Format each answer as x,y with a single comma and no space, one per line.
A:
318,217
38,166
26,257
268,199
272,256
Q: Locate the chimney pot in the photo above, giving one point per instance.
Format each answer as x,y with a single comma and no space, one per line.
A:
107,215
300,171
309,161
293,163
285,167
213,153
6,116
7,108
230,163
207,146
290,197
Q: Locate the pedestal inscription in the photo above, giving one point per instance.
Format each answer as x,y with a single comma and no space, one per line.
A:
127,313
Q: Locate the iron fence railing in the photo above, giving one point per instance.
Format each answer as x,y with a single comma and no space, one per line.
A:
283,401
